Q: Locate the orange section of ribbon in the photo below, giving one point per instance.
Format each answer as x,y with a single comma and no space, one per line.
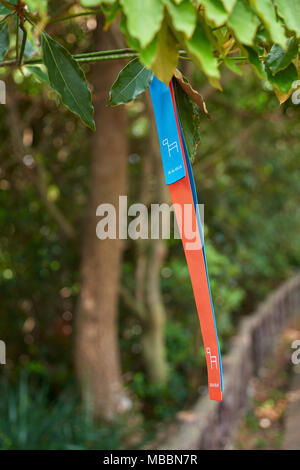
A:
181,194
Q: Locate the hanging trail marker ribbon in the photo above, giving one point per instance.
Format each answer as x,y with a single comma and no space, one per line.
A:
179,178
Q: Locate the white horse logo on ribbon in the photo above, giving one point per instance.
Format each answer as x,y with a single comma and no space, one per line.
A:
171,146
212,359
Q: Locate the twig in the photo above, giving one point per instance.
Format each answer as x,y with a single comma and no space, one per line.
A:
24,39
87,58
75,15
17,39
99,56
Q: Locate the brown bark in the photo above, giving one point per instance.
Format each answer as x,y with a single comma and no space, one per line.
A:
146,301
97,355
153,338
150,256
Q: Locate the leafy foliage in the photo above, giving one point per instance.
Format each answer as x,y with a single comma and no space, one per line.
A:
4,10
265,11
31,421
143,18
4,40
133,80
67,79
166,56
279,59
289,10
204,27
189,118
201,51
183,15
244,22
208,32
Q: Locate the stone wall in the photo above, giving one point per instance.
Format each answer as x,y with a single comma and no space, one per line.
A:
212,424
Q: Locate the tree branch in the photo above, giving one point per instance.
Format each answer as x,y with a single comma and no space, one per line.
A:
131,302
86,58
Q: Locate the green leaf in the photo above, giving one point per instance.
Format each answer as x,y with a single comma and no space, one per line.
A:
166,57
266,12
262,39
4,10
189,118
42,77
183,16
131,41
133,80
40,6
215,11
255,61
231,64
110,12
289,10
201,51
229,4
4,40
278,58
244,22
68,80
144,18
284,79
39,73
147,54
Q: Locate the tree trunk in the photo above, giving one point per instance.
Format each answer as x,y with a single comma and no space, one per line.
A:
153,337
151,254
97,358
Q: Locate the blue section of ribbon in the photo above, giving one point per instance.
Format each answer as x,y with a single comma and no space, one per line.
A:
171,152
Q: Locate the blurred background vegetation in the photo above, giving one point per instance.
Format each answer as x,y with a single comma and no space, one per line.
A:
247,175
